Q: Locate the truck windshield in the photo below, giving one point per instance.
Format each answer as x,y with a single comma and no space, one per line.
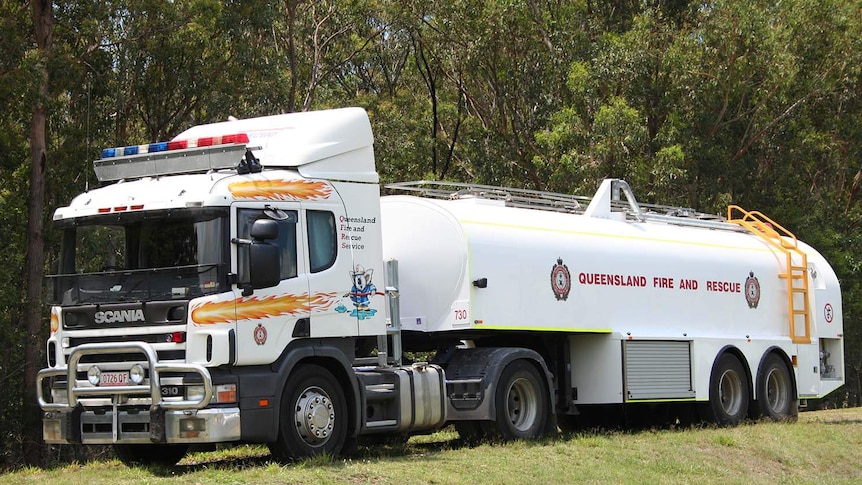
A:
141,256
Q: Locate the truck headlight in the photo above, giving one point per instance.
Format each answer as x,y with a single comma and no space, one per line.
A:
94,375
195,393
192,427
59,396
136,373
222,393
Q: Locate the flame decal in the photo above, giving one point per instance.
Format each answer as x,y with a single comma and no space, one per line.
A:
280,190
211,313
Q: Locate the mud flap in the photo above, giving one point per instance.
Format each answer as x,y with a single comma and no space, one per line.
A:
157,424
73,424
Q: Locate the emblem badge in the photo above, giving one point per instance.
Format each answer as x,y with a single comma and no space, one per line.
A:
752,290
260,334
561,280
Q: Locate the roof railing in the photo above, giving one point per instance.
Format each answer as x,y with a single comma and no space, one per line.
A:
614,196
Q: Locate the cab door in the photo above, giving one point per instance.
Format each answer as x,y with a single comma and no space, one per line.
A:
330,267
266,318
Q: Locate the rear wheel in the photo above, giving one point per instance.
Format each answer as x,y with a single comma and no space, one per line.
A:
155,454
522,403
775,397
728,392
313,418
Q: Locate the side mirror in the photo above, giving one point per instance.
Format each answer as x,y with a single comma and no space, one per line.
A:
264,266
263,256
264,229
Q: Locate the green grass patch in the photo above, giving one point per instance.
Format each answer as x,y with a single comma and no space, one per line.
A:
823,447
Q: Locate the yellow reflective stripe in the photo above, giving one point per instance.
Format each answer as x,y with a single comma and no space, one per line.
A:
485,326
614,236
683,399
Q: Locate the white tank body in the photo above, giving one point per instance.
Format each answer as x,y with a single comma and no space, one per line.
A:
476,264
432,253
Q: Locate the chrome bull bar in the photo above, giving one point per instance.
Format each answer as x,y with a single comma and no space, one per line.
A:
76,392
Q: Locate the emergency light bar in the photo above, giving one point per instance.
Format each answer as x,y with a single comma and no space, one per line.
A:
171,157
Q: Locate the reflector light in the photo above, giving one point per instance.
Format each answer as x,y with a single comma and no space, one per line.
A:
121,208
225,393
176,337
232,139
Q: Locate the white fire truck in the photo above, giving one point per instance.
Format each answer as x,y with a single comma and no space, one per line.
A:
246,282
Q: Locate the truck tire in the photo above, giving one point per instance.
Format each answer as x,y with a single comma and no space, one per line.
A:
522,404
728,392
776,399
313,417
146,455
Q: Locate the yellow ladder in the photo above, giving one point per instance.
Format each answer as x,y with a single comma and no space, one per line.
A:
796,272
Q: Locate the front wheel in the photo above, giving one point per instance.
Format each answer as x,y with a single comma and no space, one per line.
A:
522,403
775,397
313,417
728,392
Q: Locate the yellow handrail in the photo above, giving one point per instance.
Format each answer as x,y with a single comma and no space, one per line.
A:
780,238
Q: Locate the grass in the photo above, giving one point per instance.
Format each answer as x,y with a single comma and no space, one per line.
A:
823,447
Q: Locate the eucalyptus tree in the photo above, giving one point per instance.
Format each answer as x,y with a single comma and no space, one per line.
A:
491,73
755,103
19,67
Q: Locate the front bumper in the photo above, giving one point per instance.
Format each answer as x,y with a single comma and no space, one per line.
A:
131,413
201,426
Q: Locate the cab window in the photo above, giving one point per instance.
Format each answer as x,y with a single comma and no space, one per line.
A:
322,241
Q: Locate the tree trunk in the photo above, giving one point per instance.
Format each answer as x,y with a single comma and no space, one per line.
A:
43,23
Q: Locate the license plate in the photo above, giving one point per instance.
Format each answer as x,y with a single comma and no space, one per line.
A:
115,379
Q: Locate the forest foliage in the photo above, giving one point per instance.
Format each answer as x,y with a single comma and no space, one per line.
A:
695,103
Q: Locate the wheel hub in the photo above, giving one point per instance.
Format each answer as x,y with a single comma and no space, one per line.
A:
315,416
522,404
776,391
730,392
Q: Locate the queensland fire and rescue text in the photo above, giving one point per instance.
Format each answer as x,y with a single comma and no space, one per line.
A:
246,282
658,282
